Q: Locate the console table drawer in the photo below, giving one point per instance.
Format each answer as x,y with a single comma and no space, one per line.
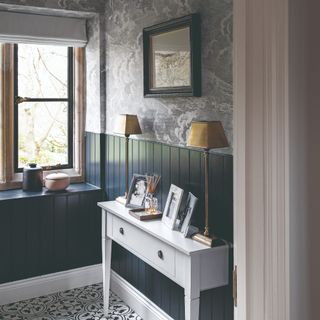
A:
152,250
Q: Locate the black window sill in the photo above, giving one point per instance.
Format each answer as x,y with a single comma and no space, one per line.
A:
20,194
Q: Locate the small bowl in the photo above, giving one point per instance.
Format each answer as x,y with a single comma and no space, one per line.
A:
57,181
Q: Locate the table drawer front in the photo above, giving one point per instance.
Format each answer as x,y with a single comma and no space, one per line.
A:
154,251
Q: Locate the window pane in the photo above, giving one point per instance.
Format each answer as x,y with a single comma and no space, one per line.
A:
43,133
42,71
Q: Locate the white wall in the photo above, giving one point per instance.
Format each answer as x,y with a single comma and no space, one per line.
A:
304,128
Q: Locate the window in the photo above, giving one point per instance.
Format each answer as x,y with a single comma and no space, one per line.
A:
41,110
43,114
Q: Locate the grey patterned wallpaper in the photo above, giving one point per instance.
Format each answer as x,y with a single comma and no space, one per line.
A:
115,63
168,119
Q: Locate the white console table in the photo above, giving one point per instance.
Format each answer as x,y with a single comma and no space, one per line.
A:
192,265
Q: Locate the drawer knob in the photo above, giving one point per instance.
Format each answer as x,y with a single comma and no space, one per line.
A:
160,254
121,231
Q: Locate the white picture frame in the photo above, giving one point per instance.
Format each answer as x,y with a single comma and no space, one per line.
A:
172,206
186,215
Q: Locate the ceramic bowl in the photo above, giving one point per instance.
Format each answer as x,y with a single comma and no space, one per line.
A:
57,181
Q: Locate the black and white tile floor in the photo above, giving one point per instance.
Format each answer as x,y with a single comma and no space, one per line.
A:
78,304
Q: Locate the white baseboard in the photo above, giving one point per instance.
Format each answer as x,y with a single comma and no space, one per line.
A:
49,283
136,300
75,278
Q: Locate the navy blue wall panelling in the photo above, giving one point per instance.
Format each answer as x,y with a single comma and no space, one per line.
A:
46,234
95,158
181,166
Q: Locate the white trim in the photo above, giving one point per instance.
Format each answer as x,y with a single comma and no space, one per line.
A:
261,159
50,283
75,278
239,163
136,300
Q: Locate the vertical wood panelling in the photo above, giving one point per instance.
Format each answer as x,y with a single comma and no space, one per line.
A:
18,239
5,243
110,167
46,234
216,183
196,186
183,167
116,167
121,161
60,232
174,163
74,247
33,239
180,166
157,167
47,264
94,161
143,157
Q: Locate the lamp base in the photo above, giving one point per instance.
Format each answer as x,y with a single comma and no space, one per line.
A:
122,199
208,241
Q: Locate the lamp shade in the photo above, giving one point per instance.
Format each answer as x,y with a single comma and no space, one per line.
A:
127,124
207,135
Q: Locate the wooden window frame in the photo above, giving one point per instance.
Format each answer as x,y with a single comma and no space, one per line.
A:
9,178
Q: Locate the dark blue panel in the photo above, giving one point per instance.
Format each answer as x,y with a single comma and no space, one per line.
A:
74,230
5,242
122,168
175,165
18,238
49,232
46,208
143,157
110,168
93,158
116,167
134,165
150,157
165,174
33,239
60,233
157,166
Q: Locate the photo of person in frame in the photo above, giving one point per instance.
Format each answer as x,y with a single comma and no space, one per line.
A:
139,193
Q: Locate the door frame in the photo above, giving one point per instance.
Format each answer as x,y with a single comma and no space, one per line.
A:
261,166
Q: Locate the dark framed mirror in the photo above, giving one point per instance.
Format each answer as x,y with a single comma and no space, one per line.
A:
172,58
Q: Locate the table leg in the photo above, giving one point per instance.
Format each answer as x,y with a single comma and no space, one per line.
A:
106,269
191,308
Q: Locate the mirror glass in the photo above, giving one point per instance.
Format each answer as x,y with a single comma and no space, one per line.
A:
170,59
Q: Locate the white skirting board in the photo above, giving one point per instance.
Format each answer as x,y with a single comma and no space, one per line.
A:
49,283
66,280
136,300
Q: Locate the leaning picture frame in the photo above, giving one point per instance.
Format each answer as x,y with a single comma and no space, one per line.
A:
187,213
137,192
172,206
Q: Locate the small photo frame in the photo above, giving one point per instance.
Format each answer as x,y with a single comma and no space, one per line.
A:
186,214
172,206
137,192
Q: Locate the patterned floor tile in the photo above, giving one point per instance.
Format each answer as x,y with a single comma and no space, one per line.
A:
78,304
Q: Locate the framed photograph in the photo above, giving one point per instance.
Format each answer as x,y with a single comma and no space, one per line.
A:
172,58
172,206
186,214
137,192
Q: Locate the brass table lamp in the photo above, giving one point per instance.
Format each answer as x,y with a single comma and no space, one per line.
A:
126,124
206,135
